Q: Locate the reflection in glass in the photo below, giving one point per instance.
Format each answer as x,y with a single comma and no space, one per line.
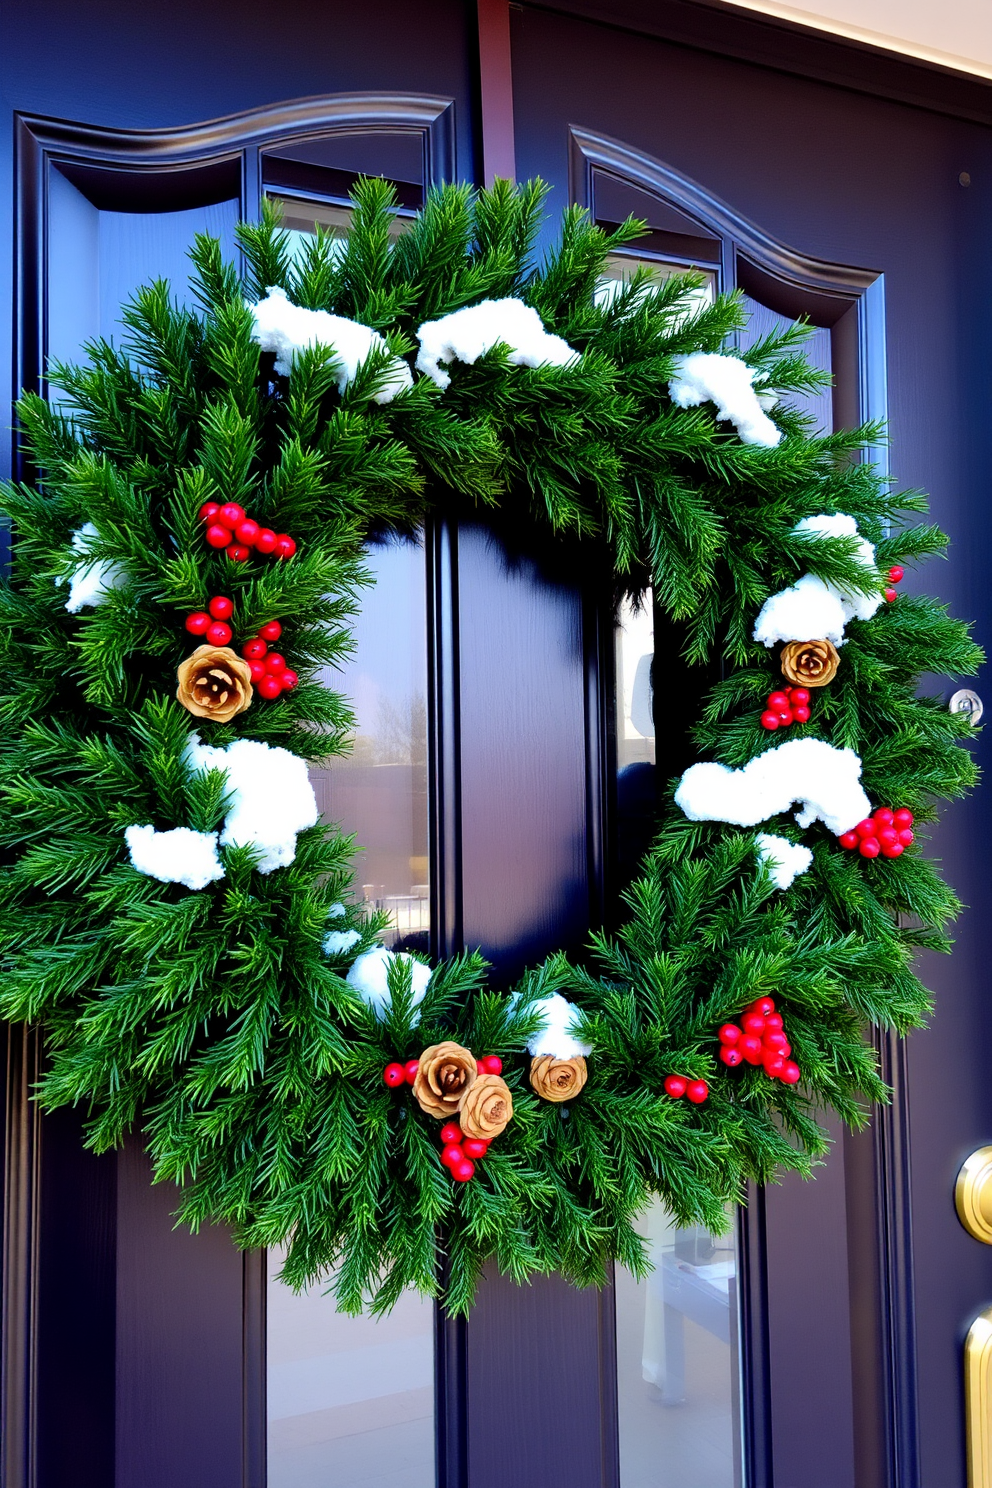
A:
677,1361
636,785
350,1400
619,267
379,790
818,403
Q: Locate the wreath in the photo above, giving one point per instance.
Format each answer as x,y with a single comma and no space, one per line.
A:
181,925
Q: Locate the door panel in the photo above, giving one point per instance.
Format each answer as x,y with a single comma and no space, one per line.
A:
855,180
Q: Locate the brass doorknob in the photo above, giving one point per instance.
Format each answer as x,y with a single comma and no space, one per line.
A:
973,1195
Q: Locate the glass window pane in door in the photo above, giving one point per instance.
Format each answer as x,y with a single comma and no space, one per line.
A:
677,1361
350,1400
379,790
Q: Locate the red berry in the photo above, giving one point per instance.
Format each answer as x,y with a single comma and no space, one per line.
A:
762,1005
247,532
777,701
890,595
790,1075
217,536
219,633
754,1023
230,515
265,542
774,1066
451,1154
883,816
801,713
208,511
411,1067
288,680
269,686
393,1075
198,623
906,837
886,836
774,1023
254,650
770,720
731,1055
697,1091
221,607
786,1050
750,1047
492,1065
474,1148
775,1040
728,1033
892,850
849,839
451,1132
238,553
865,828
785,714
462,1171
275,663
869,847
285,546
675,1086
895,573
257,671
902,818
270,631
798,697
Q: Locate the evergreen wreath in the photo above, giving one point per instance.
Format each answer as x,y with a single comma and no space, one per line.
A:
210,982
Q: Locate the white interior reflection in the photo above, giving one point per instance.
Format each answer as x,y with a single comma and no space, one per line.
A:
350,1400
677,1361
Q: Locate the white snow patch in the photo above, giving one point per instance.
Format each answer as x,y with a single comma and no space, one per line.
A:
369,977
786,860
711,377
336,912
811,609
557,1033
180,856
336,942
285,328
271,797
91,582
824,780
466,335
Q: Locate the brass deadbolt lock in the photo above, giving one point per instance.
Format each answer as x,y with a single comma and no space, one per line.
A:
973,1195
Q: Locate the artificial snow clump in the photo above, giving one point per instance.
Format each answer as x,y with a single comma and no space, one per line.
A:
180,856
369,977
812,609
711,377
271,798
824,780
466,335
786,860
285,328
336,942
556,1036
91,582
336,912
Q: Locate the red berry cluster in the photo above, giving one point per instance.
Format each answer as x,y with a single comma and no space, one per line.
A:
678,1086
790,705
213,626
886,832
228,527
269,671
459,1153
759,1039
895,574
